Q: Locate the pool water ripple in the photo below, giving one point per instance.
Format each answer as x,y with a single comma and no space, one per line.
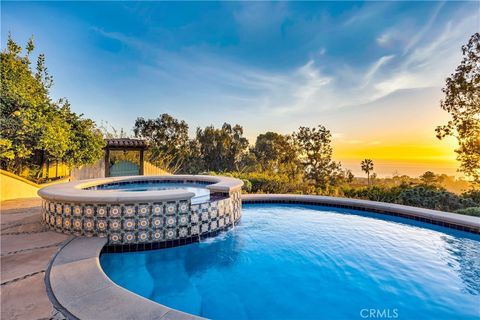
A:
306,262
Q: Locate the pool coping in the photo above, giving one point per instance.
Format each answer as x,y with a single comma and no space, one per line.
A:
76,191
79,288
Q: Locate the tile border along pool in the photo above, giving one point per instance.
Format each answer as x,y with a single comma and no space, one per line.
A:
79,289
141,220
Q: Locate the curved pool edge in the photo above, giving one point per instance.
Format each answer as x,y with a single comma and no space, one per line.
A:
78,191
446,219
79,289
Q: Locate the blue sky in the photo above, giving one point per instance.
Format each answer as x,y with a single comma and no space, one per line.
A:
369,71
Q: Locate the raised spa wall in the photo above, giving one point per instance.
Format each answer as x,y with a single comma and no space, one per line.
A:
142,225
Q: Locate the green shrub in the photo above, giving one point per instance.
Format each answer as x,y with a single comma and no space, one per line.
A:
472,211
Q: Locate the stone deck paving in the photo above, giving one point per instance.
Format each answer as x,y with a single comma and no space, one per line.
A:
26,249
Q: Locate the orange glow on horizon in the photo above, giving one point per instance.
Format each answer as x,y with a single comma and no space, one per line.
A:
405,157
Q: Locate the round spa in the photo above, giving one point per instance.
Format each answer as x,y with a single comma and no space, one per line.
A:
144,212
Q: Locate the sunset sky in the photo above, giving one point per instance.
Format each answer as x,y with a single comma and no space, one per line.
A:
371,72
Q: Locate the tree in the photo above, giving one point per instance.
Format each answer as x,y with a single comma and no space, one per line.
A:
349,176
429,178
221,149
86,141
34,128
168,139
315,154
277,153
462,102
367,167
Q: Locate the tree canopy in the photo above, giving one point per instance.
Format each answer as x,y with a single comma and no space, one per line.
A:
315,153
367,167
168,139
462,102
34,127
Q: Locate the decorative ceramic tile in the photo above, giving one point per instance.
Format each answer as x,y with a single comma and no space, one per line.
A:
129,224
157,209
67,223
101,225
77,224
157,235
52,220
67,209
129,211
115,212
59,222
115,238
88,211
143,236
77,210
101,211
142,223
194,230
213,214
183,207
157,222
205,216
182,220
88,224
171,208
205,228
182,232
170,233
170,222
129,237
114,225
143,210
194,218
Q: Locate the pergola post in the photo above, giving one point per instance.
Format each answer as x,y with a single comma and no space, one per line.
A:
141,169
107,162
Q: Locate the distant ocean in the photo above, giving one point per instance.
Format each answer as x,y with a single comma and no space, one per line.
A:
386,168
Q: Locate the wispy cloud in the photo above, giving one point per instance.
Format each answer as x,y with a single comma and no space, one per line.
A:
319,83
425,29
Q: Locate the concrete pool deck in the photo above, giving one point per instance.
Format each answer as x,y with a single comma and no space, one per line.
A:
26,249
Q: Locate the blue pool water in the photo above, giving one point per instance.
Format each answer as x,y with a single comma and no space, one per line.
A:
202,194
305,262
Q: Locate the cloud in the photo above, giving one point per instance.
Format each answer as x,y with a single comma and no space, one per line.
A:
260,18
376,67
384,39
420,34
319,83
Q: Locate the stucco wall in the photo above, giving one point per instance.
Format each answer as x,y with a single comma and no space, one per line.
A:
15,187
93,171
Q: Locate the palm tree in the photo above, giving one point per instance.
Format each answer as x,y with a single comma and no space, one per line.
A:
367,167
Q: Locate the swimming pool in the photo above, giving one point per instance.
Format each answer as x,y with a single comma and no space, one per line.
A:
310,262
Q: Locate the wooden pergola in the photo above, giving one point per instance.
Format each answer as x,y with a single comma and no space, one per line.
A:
125,144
